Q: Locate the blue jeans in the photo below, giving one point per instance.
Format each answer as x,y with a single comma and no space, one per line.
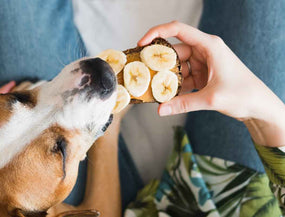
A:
255,31
37,38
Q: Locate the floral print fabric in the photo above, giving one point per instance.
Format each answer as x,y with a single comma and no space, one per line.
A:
194,185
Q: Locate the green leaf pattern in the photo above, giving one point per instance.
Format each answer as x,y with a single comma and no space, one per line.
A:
195,185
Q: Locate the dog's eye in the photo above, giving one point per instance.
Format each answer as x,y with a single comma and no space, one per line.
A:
23,97
60,146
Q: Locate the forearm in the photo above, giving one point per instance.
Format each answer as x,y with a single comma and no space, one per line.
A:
103,184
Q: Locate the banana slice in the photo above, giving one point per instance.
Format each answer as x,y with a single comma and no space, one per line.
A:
158,57
136,78
123,99
116,59
164,86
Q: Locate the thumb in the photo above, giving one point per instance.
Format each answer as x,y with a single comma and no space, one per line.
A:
182,104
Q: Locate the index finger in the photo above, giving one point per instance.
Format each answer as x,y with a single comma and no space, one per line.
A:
7,87
183,32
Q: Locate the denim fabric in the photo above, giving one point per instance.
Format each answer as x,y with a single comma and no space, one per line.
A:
255,31
37,38
131,181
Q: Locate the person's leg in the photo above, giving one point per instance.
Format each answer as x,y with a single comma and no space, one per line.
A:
129,178
255,31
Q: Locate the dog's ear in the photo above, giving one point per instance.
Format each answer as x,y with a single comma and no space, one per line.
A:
79,213
21,213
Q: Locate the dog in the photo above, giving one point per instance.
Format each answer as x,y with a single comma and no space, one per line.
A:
45,132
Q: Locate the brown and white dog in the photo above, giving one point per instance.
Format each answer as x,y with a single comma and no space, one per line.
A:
46,131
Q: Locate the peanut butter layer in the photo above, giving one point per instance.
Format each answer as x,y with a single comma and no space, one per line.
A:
134,55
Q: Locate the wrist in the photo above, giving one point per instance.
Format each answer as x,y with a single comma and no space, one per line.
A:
264,104
268,130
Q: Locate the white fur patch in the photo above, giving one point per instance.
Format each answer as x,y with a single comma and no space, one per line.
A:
25,125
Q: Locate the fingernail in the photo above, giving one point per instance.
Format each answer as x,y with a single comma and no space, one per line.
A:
165,110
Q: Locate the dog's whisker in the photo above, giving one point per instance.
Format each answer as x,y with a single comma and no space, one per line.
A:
82,52
69,58
73,51
60,61
79,50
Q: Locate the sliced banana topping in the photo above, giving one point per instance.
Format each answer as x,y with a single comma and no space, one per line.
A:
158,57
164,86
136,78
116,59
123,99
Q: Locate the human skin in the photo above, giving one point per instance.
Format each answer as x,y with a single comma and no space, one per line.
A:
225,84
7,87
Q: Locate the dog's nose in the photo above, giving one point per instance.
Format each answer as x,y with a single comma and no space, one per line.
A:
102,78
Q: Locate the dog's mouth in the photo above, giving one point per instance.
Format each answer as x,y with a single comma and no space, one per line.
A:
108,123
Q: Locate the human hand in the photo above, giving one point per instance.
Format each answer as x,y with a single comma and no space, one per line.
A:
225,84
7,87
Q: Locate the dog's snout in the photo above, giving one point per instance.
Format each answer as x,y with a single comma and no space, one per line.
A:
102,79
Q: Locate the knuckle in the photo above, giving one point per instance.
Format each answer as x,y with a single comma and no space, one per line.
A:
175,22
212,100
153,29
183,106
216,39
176,25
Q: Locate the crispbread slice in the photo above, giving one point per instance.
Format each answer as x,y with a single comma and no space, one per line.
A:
134,55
